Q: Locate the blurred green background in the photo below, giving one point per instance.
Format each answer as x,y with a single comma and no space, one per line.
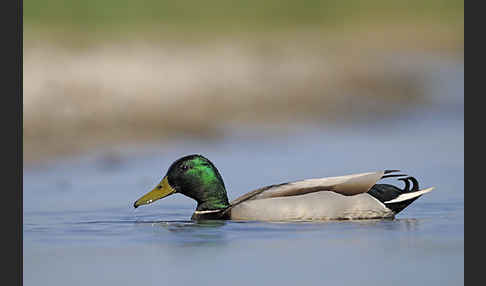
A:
157,18
103,73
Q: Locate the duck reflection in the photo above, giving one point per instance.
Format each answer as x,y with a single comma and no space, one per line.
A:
189,225
194,233
406,224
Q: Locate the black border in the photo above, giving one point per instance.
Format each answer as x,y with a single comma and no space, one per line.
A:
12,129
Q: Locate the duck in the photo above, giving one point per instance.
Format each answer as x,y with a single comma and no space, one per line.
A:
348,197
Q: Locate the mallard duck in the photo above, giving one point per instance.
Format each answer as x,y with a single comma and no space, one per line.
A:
354,196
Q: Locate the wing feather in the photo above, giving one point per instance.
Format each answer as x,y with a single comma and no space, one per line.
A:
345,185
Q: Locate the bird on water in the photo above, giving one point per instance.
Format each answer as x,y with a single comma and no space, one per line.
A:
356,196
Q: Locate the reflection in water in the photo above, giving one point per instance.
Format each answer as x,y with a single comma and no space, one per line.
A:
189,226
408,224
400,225
192,233
411,224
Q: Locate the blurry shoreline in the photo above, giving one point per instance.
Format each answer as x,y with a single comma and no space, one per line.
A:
116,95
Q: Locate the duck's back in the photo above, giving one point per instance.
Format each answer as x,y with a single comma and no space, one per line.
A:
346,197
312,206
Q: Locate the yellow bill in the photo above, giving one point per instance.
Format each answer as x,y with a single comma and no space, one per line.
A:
162,190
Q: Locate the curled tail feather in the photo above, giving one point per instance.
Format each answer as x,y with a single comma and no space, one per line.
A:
398,199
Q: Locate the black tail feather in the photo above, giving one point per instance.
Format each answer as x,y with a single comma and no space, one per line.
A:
386,192
399,206
415,186
406,189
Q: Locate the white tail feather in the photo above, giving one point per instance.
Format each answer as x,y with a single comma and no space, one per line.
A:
408,196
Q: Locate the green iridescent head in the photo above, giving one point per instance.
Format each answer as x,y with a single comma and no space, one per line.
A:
194,176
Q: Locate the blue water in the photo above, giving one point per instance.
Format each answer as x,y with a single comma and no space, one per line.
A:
80,227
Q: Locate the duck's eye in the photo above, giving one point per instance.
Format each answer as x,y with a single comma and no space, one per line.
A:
184,167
